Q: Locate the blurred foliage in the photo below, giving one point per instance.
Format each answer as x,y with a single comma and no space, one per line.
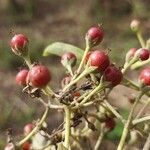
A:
42,20
115,134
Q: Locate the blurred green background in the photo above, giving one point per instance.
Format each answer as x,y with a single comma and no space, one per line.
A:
47,21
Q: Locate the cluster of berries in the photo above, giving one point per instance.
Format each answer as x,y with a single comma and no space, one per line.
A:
38,76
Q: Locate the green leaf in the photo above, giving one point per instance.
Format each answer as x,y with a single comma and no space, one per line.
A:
116,134
59,48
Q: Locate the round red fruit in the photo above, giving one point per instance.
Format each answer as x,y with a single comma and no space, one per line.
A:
110,123
144,54
145,76
76,94
95,35
99,59
39,76
19,44
26,146
68,58
21,77
113,75
28,128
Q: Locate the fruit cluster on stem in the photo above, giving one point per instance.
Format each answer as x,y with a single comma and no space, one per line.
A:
87,86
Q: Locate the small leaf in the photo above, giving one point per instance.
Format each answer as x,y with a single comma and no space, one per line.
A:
59,48
117,132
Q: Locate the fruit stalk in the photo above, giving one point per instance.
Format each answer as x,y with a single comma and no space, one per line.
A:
83,74
141,120
140,38
128,123
28,61
147,143
35,130
140,64
67,127
83,58
99,140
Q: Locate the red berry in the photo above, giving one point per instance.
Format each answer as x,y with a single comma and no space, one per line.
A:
28,128
26,146
19,44
110,123
144,54
145,76
65,81
39,76
113,75
68,58
99,59
21,77
95,35
76,94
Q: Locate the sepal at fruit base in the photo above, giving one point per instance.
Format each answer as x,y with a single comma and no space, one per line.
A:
94,36
21,52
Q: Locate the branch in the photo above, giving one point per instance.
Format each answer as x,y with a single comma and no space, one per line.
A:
141,120
35,130
147,144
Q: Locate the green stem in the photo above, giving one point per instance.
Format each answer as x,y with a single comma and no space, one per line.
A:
83,58
77,142
69,68
140,38
140,64
77,101
83,74
128,83
147,143
142,109
67,127
93,78
48,91
128,123
35,130
28,61
141,120
114,111
100,87
99,140
128,64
